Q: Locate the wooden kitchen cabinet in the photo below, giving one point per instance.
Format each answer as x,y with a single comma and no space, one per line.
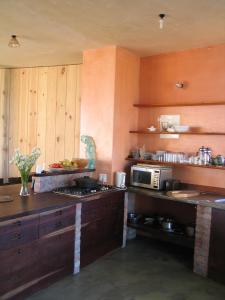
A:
35,250
216,263
54,220
19,266
102,227
19,231
56,248
56,253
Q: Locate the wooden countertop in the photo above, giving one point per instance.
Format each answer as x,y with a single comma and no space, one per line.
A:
37,202
63,172
205,198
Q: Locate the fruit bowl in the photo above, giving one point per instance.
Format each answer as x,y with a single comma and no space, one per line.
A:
56,167
80,162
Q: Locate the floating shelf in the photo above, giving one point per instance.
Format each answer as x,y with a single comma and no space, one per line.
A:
186,133
177,105
161,235
170,164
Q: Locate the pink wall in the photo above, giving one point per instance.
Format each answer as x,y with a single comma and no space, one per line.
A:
203,71
125,114
110,81
97,102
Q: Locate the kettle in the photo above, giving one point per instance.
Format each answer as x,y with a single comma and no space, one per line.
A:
120,179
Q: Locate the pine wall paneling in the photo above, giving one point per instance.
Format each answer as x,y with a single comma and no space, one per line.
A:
4,112
43,109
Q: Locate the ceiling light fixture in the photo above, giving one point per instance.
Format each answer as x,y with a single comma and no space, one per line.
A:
161,20
14,43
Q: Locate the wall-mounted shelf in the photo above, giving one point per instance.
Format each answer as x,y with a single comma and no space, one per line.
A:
156,162
177,105
186,133
161,235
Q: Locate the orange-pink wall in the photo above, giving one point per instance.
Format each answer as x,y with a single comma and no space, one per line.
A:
110,82
125,114
203,71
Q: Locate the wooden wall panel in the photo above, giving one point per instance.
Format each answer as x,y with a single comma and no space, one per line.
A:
22,97
42,98
14,105
70,112
50,115
43,110
32,109
4,112
60,117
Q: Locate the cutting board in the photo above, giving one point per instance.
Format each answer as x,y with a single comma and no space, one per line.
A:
183,194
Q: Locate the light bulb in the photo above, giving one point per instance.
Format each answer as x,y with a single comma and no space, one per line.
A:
161,22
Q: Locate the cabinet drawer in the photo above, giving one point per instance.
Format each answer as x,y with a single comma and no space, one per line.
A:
18,223
18,266
19,236
57,213
56,220
100,208
56,224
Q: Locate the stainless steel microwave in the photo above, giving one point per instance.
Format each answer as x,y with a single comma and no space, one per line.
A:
150,176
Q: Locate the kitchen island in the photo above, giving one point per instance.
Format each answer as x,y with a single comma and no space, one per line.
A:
206,211
46,236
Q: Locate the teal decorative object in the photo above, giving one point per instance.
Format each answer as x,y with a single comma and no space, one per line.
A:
90,150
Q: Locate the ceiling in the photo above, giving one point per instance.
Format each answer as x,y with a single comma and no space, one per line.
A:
54,32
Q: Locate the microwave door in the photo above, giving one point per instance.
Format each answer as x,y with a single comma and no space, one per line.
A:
142,178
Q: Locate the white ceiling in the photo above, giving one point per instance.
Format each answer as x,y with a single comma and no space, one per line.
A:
53,32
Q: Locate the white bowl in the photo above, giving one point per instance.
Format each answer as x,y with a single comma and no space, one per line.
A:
181,128
151,129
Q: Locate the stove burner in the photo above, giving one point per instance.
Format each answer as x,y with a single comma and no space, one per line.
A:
75,191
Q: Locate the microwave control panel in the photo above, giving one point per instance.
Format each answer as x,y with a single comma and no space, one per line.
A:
156,179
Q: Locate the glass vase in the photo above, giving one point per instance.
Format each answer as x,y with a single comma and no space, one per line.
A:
24,190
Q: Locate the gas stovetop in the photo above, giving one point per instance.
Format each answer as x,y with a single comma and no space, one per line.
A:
75,191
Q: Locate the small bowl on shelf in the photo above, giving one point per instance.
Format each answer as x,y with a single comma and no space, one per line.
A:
181,128
149,220
151,129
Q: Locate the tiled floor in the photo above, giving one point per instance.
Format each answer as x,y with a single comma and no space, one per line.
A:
142,271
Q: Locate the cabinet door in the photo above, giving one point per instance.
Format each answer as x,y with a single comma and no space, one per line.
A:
19,266
103,232
57,252
216,267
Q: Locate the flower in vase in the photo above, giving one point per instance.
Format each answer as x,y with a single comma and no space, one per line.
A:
25,164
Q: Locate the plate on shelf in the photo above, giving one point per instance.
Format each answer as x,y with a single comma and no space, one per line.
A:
56,170
62,169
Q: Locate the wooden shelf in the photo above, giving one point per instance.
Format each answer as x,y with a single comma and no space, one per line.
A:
159,234
183,133
170,164
177,105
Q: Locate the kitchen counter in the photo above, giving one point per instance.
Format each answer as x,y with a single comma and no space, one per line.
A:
205,198
59,231
37,202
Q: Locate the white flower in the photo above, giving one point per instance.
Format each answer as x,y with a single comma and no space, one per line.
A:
25,162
